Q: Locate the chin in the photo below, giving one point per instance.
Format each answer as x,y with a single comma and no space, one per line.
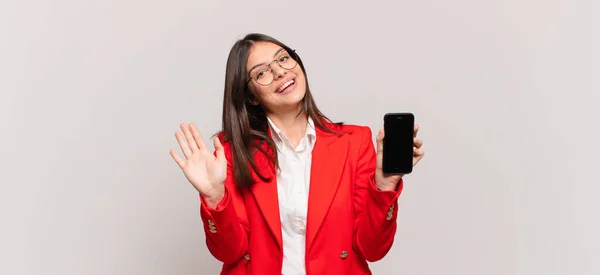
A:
297,97
291,103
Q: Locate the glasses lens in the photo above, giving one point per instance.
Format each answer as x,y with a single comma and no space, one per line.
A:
263,75
286,61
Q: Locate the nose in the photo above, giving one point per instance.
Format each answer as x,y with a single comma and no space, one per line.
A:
278,71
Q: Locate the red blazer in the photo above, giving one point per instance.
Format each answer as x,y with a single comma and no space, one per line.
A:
349,220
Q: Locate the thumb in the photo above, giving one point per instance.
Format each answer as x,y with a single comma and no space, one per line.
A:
219,150
379,139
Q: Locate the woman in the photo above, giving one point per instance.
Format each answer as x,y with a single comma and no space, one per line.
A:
286,191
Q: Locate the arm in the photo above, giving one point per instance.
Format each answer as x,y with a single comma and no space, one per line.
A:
222,207
375,210
226,225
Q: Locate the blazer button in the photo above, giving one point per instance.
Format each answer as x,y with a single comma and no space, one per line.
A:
211,227
390,213
247,257
344,254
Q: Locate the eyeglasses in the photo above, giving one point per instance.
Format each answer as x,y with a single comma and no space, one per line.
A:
264,74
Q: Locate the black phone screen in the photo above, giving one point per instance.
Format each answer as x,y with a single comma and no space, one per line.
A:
398,143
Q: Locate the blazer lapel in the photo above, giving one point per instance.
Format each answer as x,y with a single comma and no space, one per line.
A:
328,162
265,194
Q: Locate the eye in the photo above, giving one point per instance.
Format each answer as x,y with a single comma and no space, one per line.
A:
259,74
284,58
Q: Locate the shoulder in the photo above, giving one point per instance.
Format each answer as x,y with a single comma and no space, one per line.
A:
357,135
229,144
356,129
357,139
353,130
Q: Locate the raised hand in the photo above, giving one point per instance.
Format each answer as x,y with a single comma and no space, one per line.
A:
205,171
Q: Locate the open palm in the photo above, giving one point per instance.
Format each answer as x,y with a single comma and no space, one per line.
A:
204,170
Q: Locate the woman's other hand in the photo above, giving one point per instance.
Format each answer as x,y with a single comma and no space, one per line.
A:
389,182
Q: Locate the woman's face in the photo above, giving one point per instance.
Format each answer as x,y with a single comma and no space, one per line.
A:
288,86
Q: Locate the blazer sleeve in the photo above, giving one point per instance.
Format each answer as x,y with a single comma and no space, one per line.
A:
375,210
226,227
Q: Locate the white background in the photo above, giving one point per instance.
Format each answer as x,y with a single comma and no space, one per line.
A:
505,91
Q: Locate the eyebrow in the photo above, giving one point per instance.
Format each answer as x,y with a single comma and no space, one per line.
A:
260,64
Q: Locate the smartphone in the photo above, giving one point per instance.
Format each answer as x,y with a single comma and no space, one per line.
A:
398,143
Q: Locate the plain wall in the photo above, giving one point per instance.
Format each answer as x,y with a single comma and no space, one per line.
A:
506,93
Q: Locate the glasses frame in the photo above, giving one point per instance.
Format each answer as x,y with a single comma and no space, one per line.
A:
292,56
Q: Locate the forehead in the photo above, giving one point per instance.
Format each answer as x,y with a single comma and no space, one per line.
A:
261,52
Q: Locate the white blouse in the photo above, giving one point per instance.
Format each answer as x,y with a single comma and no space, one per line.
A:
293,180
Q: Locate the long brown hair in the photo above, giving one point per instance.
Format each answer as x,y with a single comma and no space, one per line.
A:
245,125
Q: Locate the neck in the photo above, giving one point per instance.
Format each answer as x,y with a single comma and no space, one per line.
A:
291,124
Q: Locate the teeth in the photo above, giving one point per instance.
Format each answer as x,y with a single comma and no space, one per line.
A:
286,85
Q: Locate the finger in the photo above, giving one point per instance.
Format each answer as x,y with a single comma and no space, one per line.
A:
219,150
177,159
416,159
379,139
417,142
183,145
198,138
416,130
189,137
418,152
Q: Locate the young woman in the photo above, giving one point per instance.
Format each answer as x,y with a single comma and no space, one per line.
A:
286,190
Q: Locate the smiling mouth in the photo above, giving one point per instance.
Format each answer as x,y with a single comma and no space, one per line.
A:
286,86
